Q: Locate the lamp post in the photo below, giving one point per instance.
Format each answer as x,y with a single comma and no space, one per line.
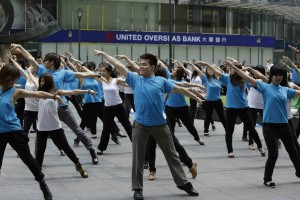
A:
70,38
79,15
170,32
258,41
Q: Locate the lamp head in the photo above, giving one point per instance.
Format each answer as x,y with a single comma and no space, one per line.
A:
79,12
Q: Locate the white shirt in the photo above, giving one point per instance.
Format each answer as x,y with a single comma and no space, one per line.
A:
31,104
48,119
111,93
289,104
255,99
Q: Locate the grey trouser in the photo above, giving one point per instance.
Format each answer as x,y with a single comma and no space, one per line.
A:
66,116
162,136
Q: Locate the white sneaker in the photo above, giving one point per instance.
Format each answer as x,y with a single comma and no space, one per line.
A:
251,147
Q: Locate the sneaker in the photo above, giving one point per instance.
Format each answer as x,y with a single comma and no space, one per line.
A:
146,165
120,134
270,184
200,141
206,134
231,155
33,131
245,139
62,153
99,152
251,147
76,143
46,192
151,176
81,170
193,170
94,157
138,194
115,139
213,127
262,152
94,136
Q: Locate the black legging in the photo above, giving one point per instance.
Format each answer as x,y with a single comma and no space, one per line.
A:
129,103
77,102
30,117
19,108
243,114
209,108
183,114
253,114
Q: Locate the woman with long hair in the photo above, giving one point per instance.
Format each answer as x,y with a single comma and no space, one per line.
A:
275,118
236,106
49,124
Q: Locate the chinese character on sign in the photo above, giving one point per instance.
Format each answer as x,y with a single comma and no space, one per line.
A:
204,39
224,39
211,39
218,39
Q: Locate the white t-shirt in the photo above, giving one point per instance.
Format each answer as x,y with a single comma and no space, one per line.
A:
111,93
48,119
255,99
31,104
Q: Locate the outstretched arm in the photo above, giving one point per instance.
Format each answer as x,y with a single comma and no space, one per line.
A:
74,92
131,63
215,71
23,73
186,92
115,62
257,74
26,54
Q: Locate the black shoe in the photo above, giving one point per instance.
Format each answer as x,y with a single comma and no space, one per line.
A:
115,139
138,195
94,157
213,127
33,131
188,188
45,190
146,165
270,184
76,143
245,139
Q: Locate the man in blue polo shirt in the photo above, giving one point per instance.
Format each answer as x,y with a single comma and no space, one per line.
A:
150,120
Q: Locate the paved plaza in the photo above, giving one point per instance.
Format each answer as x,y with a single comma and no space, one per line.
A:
219,178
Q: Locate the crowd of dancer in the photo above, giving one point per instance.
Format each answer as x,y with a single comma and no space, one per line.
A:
36,92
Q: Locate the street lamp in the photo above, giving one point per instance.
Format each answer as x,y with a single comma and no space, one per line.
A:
70,38
258,41
79,15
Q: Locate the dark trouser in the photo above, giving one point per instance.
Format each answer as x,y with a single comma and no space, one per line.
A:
183,114
77,102
162,136
253,114
110,112
19,108
129,103
291,123
90,113
209,108
273,132
29,118
19,142
151,152
243,114
66,115
59,139
193,109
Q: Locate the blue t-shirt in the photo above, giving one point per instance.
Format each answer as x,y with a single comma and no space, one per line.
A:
295,77
60,77
275,100
8,118
101,93
175,99
21,81
235,96
149,98
92,84
213,88
74,85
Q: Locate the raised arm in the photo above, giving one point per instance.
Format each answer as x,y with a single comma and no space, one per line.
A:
215,71
26,54
23,73
131,63
242,74
257,74
115,62
291,64
34,79
194,67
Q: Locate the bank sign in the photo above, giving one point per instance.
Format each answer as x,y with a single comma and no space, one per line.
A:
161,38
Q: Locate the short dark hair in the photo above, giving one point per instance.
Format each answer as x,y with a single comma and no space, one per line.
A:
53,57
8,72
277,69
110,69
39,57
152,58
